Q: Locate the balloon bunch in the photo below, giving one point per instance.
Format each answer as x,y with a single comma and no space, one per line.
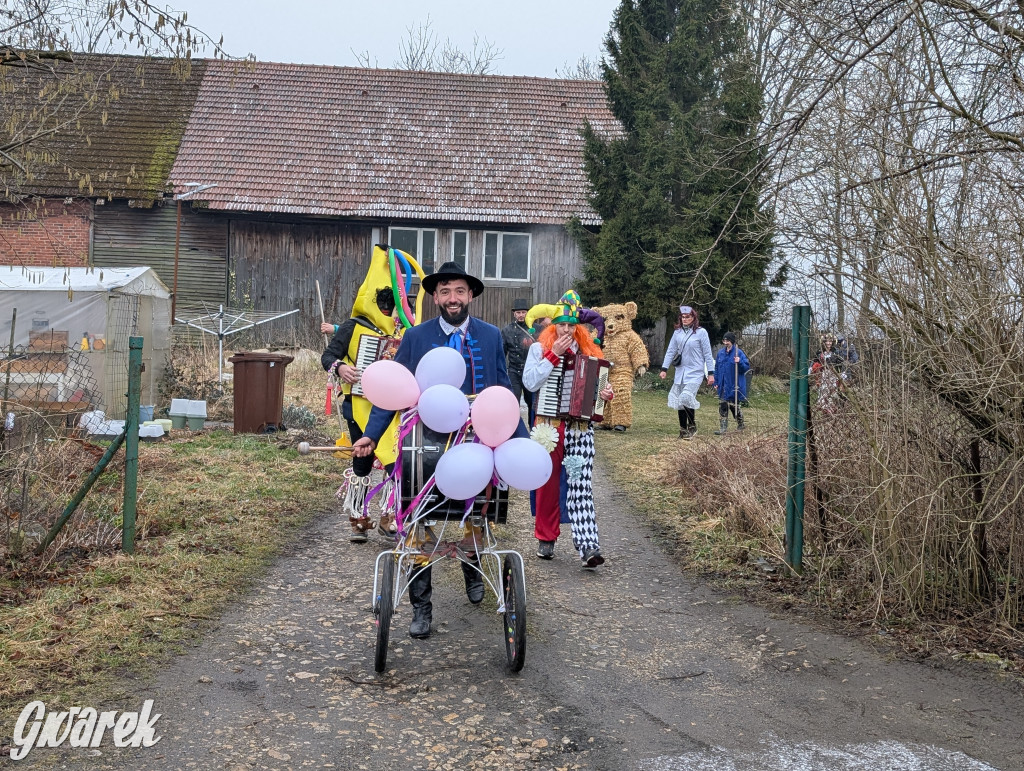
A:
467,467
399,259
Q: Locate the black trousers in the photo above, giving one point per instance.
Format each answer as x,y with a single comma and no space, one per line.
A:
361,467
687,418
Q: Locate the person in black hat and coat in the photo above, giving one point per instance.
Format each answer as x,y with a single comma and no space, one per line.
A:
453,289
516,340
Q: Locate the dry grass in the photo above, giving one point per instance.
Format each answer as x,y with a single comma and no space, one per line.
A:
891,525
696,492
214,509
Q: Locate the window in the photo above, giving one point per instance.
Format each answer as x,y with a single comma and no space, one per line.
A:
460,248
507,256
419,243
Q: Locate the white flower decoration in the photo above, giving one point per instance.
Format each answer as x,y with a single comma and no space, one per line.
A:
545,435
573,465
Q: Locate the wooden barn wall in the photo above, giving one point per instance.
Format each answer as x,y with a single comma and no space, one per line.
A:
125,237
275,267
554,267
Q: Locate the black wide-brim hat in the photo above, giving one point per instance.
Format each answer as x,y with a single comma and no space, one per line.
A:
520,305
450,271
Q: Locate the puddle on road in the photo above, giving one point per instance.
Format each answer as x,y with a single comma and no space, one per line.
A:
878,756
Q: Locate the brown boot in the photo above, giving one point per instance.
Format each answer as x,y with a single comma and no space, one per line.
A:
387,527
359,528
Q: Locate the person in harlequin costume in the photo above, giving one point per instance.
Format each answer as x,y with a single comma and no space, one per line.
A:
571,442
374,313
538,318
453,289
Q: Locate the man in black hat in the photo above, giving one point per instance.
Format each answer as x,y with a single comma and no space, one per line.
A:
516,340
453,289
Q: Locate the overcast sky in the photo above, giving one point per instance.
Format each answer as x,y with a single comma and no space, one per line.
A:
537,37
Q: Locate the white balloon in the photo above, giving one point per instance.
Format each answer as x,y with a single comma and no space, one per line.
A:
464,470
443,408
441,365
523,463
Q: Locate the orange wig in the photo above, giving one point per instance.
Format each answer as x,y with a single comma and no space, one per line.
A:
580,334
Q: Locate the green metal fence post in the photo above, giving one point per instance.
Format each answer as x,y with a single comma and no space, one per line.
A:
799,401
80,495
131,446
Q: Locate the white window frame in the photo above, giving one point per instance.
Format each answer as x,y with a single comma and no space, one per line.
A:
466,234
497,265
419,243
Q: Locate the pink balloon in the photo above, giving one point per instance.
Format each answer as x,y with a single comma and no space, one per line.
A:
443,408
389,385
464,470
523,463
495,415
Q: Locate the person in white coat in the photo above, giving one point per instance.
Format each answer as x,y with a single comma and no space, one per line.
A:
689,351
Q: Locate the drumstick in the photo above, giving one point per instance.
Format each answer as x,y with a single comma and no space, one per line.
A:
305,448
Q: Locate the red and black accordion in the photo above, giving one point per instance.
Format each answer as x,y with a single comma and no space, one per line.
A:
572,390
369,350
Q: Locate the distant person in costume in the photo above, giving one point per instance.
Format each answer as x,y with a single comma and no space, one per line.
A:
516,341
571,441
625,349
372,315
453,290
689,351
731,364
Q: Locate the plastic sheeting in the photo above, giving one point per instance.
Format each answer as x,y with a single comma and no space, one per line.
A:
94,309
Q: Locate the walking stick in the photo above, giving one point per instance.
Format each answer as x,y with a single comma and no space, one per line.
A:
329,410
736,385
320,300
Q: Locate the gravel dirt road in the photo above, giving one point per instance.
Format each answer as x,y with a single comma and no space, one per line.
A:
632,666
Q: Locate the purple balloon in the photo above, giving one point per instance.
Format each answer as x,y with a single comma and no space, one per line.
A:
464,470
441,365
523,463
443,408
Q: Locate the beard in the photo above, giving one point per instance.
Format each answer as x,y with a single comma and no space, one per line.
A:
455,319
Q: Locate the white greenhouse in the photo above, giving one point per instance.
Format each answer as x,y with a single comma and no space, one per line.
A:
70,332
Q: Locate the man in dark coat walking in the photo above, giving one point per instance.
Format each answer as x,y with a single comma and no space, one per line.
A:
516,341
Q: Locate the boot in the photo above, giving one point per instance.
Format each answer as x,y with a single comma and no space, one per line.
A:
723,426
420,591
740,425
474,581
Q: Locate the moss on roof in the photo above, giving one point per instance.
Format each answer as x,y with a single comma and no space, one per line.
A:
105,125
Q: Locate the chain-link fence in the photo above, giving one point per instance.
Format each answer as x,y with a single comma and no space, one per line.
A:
45,389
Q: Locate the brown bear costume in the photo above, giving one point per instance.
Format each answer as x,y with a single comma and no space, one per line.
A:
626,350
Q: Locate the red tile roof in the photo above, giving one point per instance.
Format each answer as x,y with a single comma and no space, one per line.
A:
399,144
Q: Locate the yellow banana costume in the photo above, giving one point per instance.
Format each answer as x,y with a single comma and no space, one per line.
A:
386,269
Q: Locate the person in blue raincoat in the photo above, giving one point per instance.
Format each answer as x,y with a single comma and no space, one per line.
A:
731,366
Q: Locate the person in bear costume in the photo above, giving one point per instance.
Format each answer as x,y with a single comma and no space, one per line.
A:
625,349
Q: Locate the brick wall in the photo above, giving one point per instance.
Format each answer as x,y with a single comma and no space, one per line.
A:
48,233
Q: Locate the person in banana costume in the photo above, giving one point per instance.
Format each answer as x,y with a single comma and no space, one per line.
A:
381,309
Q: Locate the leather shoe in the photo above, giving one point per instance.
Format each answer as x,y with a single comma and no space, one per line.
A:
420,626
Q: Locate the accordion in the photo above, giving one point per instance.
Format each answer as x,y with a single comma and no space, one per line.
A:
573,388
369,350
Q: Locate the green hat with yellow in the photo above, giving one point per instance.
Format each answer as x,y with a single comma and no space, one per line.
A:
568,309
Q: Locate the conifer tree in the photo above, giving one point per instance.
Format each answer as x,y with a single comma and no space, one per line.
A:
679,190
